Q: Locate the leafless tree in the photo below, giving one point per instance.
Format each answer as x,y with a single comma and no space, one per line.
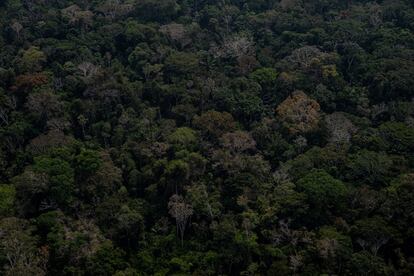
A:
305,56
57,83
373,243
60,123
44,104
19,248
238,141
177,33
327,248
17,27
229,14
152,71
236,46
301,142
48,204
44,142
4,116
82,121
71,13
340,128
295,261
375,14
378,109
114,8
377,243
76,16
353,49
88,69
181,211
409,121
362,243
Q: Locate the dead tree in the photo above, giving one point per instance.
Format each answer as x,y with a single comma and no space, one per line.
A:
181,211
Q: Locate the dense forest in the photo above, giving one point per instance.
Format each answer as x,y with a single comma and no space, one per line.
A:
206,137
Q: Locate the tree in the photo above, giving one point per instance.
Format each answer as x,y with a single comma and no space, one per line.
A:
17,27
115,8
88,69
82,121
372,234
238,142
325,194
71,240
288,4
76,16
7,105
364,263
370,167
99,176
340,128
44,104
7,197
31,60
181,212
400,201
236,46
299,113
60,178
334,248
122,219
88,162
49,141
29,81
204,202
399,136
183,138
264,76
18,246
159,11
305,56
213,124
177,33
107,260
30,191
181,62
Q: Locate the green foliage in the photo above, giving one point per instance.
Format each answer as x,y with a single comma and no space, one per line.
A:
106,261
88,161
155,10
60,178
365,263
7,195
31,60
183,138
399,136
370,167
181,62
266,77
188,137
324,193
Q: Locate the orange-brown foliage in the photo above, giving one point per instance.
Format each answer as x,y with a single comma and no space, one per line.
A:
28,81
299,113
